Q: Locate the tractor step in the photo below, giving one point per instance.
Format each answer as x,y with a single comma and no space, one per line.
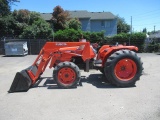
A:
98,63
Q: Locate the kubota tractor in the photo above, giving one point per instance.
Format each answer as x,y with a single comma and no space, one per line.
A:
120,64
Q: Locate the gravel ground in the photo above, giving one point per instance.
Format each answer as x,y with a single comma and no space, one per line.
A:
92,100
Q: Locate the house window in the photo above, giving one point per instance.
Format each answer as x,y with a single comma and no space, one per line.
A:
102,23
108,24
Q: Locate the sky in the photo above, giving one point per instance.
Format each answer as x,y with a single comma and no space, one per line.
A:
144,13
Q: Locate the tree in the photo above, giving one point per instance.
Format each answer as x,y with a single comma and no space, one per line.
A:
122,26
7,21
144,30
4,8
22,15
59,18
22,18
34,16
74,23
20,21
40,29
7,26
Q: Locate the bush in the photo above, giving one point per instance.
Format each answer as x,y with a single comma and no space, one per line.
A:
73,23
136,39
69,35
74,35
95,36
40,29
153,47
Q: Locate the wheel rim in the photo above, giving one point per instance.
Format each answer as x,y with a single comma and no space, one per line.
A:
66,75
125,69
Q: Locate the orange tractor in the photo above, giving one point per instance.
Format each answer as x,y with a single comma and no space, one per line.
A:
120,64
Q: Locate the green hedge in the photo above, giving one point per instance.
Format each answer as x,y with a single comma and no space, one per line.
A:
69,35
94,36
153,47
74,35
136,39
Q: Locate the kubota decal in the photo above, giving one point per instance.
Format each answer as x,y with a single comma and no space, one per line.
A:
61,44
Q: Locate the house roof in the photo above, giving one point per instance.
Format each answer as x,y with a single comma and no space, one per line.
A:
46,16
79,14
84,14
155,35
101,15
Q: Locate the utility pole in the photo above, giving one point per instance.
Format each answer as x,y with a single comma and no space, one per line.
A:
131,24
133,30
130,31
154,28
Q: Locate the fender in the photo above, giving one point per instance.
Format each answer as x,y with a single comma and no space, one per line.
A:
106,50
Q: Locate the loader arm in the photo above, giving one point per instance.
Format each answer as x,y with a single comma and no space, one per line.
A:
52,51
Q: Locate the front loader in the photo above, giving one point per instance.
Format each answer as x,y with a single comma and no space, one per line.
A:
120,64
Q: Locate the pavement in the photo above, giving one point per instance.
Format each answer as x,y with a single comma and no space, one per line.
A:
92,100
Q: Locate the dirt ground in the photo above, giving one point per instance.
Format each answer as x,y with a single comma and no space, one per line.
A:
92,100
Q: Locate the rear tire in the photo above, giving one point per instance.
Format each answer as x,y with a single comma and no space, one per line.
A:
123,68
66,75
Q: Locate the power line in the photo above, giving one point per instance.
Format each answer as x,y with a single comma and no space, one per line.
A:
147,24
147,18
146,12
149,13
151,17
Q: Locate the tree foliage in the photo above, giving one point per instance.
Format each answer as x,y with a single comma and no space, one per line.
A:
4,8
122,26
68,35
22,16
94,37
22,23
74,23
144,30
34,16
75,35
136,39
152,47
7,20
59,18
38,30
7,24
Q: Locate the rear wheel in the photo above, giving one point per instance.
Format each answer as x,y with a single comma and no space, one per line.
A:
123,68
66,75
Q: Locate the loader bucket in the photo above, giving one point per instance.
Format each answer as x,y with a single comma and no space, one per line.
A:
22,80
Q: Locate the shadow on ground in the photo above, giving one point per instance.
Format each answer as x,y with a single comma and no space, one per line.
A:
97,80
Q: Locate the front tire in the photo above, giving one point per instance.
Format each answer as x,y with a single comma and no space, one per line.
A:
66,75
123,68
